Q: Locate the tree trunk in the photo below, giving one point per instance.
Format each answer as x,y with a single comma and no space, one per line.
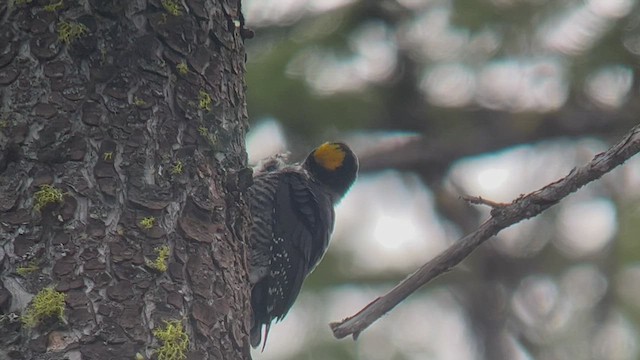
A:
122,129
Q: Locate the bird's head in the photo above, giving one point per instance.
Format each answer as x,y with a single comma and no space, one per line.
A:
334,165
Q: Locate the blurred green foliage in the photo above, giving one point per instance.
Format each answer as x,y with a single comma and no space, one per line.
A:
534,74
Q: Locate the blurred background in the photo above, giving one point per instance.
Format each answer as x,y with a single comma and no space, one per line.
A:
442,98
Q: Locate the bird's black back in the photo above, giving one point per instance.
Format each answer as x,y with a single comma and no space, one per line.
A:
301,224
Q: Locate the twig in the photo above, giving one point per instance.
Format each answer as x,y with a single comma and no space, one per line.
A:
525,207
477,200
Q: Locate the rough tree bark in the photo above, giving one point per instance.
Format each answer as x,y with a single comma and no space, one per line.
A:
135,112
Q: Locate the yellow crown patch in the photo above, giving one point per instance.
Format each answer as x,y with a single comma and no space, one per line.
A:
329,155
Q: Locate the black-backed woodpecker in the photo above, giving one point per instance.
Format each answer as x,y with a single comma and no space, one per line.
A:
293,217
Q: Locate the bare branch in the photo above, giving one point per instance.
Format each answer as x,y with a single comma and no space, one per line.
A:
432,153
525,207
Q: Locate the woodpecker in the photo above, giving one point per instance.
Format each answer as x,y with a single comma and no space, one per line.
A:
293,217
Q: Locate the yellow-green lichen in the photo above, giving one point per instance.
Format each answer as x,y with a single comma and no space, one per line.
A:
47,303
175,341
204,100
147,222
161,262
178,168
139,102
47,195
182,68
4,123
107,156
52,7
172,7
204,132
22,2
26,270
70,31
